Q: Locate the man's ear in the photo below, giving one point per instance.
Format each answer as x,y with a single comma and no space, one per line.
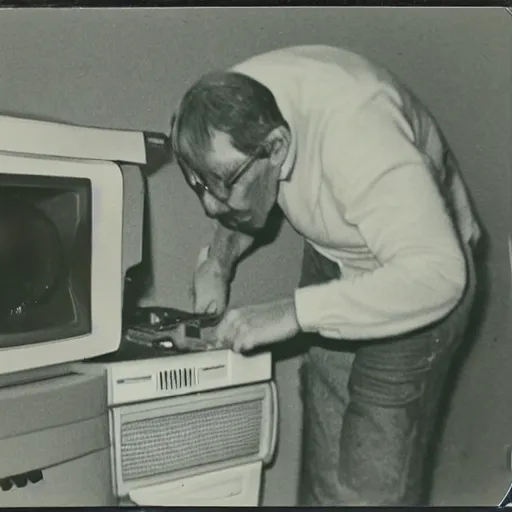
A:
278,143
172,135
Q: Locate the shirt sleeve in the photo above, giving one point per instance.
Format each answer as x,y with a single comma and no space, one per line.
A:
382,185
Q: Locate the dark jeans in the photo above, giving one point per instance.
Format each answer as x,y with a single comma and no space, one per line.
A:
370,408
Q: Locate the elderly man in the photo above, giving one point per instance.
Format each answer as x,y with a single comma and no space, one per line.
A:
363,174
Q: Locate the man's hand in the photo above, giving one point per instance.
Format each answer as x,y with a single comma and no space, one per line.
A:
215,267
211,286
246,328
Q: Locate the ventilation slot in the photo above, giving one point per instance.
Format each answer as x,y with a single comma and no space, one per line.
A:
181,378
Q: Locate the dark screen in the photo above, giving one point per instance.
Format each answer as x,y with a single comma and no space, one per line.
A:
45,258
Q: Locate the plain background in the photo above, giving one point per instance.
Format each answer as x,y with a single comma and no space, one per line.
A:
126,68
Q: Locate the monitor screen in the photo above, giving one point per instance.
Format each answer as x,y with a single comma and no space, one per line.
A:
45,258
72,202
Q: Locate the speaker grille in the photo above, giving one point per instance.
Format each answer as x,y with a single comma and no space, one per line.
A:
190,439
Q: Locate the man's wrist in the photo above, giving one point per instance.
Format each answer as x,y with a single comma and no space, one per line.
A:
290,312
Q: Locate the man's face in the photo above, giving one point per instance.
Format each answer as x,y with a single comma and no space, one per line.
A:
240,190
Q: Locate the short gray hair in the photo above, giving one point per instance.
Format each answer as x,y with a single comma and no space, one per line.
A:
228,102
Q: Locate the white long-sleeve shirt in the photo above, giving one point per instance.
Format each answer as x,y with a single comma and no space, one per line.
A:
364,183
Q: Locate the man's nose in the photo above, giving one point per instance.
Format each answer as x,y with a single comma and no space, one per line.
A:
212,206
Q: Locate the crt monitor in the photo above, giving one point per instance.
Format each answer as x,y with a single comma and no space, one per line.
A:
71,229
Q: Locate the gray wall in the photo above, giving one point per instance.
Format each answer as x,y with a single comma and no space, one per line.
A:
127,68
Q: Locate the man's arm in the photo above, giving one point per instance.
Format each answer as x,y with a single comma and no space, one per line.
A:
383,187
227,247
215,268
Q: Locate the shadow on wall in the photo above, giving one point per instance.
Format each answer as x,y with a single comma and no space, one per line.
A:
140,279
473,333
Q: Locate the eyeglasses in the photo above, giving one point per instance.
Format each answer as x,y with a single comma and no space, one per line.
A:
200,187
